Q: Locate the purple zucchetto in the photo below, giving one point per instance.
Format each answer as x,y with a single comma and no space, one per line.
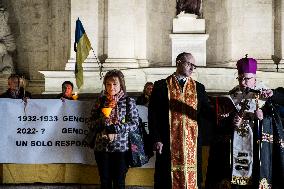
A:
246,65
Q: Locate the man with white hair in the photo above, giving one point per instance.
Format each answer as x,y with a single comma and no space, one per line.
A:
16,88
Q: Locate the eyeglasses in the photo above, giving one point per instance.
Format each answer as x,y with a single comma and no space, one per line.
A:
189,64
246,79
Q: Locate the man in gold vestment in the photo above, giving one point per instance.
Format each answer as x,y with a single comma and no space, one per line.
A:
179,112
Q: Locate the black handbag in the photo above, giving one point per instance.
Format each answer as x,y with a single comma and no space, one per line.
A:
137,156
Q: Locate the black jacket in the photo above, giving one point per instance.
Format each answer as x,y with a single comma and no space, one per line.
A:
21,94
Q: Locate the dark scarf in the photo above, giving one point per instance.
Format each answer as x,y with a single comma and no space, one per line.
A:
113,118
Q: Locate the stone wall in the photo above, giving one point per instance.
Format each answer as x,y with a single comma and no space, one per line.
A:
42,34
217,26
160,14
242,27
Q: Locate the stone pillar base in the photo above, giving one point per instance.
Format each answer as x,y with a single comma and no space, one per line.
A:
121,63
188,23
193,43
89,64
216,80
143,62
262,65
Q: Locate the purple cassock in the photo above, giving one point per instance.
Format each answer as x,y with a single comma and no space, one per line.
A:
247,65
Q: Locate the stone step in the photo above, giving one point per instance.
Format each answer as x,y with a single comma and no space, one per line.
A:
61,186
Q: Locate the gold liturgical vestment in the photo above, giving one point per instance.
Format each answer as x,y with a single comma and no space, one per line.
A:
183,133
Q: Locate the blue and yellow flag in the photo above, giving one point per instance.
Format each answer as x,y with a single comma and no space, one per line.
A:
82,47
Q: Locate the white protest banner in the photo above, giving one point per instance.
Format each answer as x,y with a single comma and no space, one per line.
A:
45,131
143,114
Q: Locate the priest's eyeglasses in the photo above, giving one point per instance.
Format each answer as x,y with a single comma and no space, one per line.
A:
189,64
246,79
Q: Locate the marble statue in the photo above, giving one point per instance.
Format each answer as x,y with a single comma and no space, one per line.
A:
189,6
7,44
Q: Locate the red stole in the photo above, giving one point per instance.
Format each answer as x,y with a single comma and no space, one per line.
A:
183,133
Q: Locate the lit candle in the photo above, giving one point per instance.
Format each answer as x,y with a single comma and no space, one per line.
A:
75,96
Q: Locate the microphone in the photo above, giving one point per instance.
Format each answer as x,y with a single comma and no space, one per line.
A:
249,90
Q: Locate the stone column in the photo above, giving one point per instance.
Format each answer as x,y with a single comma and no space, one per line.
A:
59,33
121,34
140,31
117,29
87,12
279,33
252,31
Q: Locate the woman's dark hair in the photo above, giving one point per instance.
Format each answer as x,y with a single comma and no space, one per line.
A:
12,76
146,85
119,75
66,83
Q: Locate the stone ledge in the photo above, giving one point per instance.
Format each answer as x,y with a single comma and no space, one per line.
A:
216,80
61,186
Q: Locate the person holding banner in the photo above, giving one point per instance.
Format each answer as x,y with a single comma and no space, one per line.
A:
179,111
67,91
114,115
16,88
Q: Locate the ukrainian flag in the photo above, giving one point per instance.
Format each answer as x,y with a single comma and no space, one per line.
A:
82,47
